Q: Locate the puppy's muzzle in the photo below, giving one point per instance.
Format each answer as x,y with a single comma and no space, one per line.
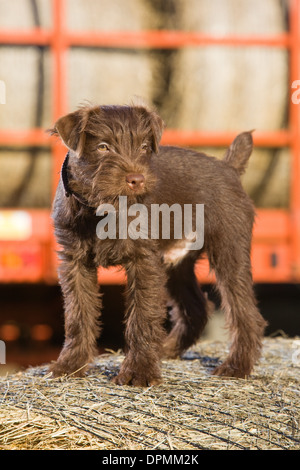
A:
135,181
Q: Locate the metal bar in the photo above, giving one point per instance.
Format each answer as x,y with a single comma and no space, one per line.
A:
38,137
169,39
138,39
59,51
295,143
59,81
222,139
30,137
34,37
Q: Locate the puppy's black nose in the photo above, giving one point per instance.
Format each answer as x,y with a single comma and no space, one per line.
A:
135,181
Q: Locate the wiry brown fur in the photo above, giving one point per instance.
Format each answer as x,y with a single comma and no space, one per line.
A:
171,175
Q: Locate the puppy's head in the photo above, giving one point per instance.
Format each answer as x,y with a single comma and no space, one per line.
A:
111,149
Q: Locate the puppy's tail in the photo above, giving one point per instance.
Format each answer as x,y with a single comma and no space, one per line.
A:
237,155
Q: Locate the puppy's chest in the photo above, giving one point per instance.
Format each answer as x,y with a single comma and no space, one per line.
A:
176,252
109,252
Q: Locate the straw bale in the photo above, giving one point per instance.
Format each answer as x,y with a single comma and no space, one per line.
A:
26,72
223,17
20,72
110,76
21,66
25,178
267,179
217,88
222,88
162,14
190,410
18,14
230,88
105,15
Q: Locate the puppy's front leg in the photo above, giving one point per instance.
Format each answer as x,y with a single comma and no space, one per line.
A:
78,279
146,311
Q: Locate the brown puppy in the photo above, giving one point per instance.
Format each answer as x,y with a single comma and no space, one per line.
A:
114,151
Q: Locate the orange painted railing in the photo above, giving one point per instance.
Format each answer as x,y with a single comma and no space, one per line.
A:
276,246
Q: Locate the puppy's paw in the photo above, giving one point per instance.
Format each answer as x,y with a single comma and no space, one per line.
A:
138,377
125,378
228,370
60,370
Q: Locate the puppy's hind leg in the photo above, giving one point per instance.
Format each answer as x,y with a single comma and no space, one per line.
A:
245,323
189,314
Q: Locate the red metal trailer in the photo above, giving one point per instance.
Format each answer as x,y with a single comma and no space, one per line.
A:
26,238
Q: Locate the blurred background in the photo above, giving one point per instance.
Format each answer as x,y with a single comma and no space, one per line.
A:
212,68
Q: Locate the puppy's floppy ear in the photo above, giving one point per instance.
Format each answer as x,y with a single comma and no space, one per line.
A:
71,127
157,126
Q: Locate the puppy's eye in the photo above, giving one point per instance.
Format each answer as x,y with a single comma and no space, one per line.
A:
145,147
103,147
